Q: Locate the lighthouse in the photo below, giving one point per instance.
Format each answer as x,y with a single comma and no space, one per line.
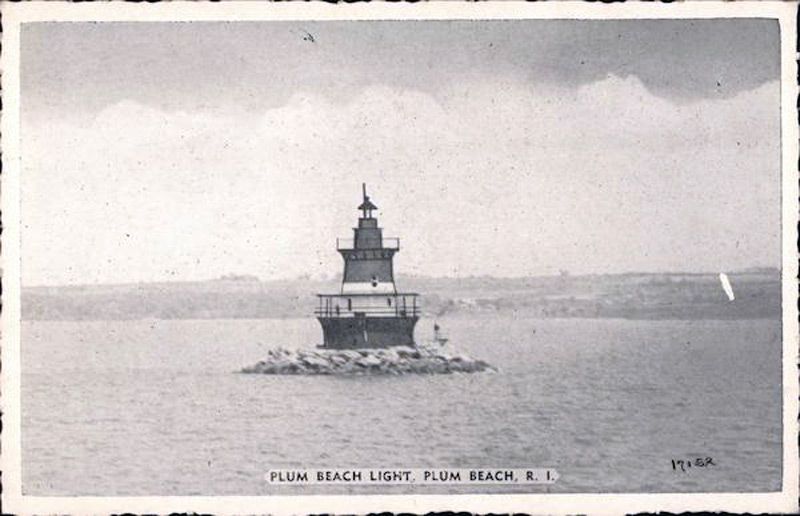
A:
368,312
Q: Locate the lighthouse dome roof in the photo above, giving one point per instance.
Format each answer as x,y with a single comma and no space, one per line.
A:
367,204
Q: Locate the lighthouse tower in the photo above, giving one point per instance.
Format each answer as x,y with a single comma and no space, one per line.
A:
368,312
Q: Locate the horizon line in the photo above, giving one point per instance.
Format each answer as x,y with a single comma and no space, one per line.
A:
252,278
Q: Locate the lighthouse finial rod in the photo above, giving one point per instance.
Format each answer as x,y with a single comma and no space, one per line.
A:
364,194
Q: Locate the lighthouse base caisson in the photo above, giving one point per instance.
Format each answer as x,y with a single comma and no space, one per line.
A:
367,332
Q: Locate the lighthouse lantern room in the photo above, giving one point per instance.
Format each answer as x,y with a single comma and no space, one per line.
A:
368,312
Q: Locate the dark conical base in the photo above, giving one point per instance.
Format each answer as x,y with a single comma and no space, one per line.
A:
367,332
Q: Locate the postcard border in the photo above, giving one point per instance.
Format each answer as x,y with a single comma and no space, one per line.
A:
16,14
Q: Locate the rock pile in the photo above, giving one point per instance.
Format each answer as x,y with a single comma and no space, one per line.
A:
396,360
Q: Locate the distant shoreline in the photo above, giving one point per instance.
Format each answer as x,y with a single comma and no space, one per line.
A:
251,278
652,296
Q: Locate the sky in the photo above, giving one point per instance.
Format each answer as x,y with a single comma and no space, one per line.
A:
187,151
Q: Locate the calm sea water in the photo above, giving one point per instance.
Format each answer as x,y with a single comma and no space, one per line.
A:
157,407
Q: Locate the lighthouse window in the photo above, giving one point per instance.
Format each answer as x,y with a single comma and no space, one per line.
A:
374,281
389,301
349,305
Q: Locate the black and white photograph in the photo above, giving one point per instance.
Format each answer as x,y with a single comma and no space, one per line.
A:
267,258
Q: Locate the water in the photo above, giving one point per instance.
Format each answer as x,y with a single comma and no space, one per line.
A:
156,407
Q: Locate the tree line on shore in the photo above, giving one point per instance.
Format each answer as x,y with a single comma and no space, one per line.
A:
637,296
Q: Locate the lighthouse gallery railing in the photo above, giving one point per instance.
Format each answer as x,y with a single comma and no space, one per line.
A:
341,305
349,243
